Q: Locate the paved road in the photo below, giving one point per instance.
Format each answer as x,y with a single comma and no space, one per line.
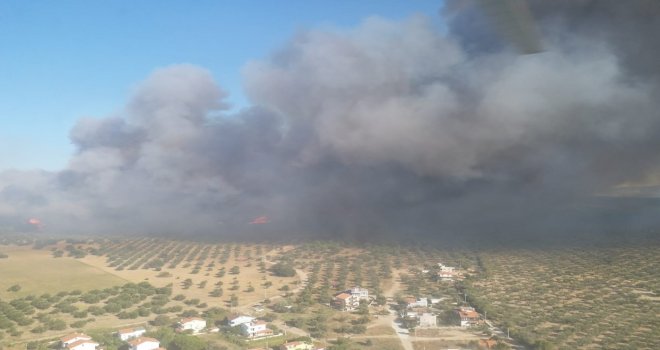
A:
502,335
402,333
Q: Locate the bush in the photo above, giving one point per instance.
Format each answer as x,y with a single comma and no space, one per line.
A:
56,325
162,320
186,342
282,269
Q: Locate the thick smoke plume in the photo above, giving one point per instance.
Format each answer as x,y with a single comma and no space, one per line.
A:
391,128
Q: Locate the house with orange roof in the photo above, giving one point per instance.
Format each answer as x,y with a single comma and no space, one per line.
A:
343,301
467,316
349,300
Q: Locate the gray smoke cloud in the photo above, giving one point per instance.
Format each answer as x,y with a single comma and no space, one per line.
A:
390,128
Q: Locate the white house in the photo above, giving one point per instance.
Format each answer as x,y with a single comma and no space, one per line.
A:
144,343
445,268
130,333
446,275
360,293
195,324
296,345
255,329
427,320
421,302
72,338
239,320
83,345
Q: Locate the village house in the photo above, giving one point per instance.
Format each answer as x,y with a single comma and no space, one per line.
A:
296,345
445,268
412,302
446,275
467,316
427,320
72,338
130,333
344,301
144,343
255,329
360,293
195,324
416,312
83,345
349,300
487,343
238,320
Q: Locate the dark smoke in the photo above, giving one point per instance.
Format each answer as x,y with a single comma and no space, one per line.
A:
390,129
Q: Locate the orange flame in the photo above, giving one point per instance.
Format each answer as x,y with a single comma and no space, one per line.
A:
260,220
35,222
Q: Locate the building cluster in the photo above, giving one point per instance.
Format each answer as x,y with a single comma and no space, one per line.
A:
134,337
349,300
419,309
136,341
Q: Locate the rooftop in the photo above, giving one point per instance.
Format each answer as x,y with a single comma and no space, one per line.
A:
141,340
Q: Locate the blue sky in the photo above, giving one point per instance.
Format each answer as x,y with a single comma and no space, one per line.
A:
62,60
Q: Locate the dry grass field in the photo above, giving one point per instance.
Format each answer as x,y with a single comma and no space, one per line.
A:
37,272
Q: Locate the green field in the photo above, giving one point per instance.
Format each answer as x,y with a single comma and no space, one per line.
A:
37,272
